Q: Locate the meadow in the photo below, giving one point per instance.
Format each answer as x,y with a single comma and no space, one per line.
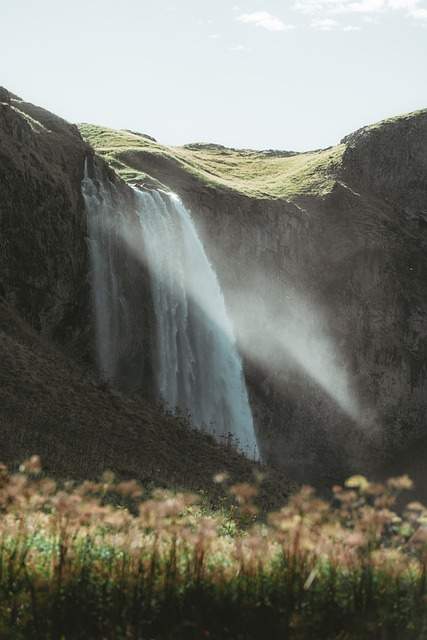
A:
105,560
267,174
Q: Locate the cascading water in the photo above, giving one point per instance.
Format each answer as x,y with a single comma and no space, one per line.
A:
103,219
198,368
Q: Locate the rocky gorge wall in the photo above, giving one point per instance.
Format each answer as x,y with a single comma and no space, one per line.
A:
45,267
43,262
327,290
52,400
353,263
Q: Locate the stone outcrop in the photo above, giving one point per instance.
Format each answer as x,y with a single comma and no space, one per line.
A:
45,270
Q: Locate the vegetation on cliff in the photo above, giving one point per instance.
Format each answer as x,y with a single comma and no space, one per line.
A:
51,399
101,560
259,174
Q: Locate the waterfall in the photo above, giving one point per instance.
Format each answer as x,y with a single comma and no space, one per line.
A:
103,220
197,366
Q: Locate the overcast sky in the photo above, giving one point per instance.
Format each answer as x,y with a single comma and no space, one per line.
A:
289,74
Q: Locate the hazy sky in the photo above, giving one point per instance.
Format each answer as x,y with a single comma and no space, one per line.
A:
289,74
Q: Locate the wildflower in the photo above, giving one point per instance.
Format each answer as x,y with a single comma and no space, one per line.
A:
31,466
243,491
384,501
47,487
347,497
355,539
259,476
401,483
285,521
415,506
131,488
219,478
392,560
168,540
375,489
108,477
357,482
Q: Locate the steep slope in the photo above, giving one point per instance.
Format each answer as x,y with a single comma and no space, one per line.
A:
323,261
43,258
81,427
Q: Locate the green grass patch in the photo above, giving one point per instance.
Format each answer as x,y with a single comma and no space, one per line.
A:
259,174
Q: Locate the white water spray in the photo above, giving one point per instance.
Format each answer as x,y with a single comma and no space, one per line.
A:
199,371
199,368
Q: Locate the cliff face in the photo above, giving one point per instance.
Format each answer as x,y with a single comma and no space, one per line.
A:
321,257
326,272
51,399
43,258
389,160
45,266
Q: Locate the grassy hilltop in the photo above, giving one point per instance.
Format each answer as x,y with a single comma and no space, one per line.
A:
269,174
259,174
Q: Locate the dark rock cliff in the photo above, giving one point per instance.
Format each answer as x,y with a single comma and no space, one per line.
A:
45,269
43,258
327,290
52,401
351,266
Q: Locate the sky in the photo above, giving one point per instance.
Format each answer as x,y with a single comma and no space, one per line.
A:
272,74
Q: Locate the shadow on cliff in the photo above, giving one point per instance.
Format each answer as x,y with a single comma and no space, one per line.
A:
313,422
80,426
284,343
359,251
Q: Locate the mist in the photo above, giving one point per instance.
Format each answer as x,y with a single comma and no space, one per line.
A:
276,327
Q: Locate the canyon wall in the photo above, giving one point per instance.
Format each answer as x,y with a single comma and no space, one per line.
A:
43,261
52,400
350,265
326,287
45,268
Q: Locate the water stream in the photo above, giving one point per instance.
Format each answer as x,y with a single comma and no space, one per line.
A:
197,365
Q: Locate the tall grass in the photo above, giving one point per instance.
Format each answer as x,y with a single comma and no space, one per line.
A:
97,560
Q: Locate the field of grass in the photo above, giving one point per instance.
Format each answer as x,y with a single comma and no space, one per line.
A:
101,560
260,174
